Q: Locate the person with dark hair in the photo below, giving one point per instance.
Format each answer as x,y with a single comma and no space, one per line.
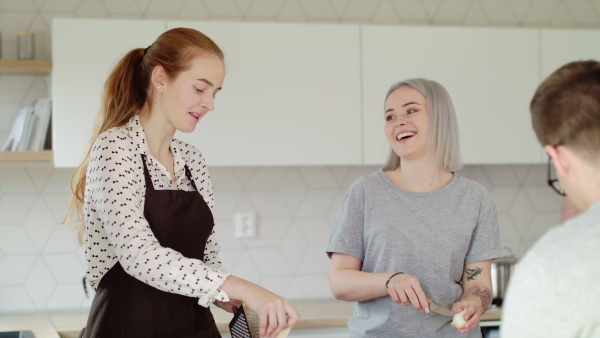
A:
143,202
416,230
554,291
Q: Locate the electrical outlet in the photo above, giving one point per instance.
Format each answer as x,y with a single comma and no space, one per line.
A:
245,225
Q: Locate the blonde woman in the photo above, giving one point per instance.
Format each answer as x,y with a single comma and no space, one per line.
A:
415,230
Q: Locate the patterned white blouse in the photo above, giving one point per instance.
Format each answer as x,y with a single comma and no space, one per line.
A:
114,216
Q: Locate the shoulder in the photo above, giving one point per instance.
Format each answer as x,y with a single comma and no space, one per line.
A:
473,191
114,138
468,184
192,157
113,155
114,148
587,222
584,228
574,239
377,177
367,187
367,181
188,151
561,248
544,249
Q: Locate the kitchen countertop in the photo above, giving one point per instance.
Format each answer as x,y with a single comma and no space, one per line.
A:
38,323
314,314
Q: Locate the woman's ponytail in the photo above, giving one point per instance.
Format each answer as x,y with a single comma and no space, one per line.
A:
127,90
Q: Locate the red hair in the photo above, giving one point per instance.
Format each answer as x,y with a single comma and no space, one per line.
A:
126,91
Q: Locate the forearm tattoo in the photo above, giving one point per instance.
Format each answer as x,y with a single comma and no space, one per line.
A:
472,273
486,297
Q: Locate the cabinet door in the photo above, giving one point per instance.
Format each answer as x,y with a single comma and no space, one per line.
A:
561,46
491,75
291,95
84,51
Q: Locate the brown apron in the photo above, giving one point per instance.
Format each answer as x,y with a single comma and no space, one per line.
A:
126,307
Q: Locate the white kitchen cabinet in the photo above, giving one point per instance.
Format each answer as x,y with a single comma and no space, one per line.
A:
561,46
291,95
490,73
312,94
84,51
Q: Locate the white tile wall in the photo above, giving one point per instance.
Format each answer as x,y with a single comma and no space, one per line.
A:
15,299
15,241
40,284
41,266
14,268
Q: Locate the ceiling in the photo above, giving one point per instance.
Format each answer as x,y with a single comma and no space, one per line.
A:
513,13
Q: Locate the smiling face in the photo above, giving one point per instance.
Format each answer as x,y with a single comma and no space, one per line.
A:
189,96
407,123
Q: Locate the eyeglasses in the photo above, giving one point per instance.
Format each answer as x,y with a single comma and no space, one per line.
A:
552,181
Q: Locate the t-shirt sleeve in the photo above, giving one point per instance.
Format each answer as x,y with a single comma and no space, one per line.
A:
485,241
347,233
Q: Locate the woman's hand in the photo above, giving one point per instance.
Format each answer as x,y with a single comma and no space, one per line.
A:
275,313
472,315
406,289
230,306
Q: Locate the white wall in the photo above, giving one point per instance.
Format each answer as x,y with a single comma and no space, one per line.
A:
41,267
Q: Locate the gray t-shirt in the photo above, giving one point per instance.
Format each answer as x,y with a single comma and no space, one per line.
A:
429,235
555,290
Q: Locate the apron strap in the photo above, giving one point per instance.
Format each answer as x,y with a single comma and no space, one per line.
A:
149,184
189,176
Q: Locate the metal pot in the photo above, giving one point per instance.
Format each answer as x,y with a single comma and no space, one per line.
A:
502,269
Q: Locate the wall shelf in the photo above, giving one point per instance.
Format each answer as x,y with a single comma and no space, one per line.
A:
26,156
25,66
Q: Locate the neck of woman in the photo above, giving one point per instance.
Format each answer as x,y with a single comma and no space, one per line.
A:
421,176
158,134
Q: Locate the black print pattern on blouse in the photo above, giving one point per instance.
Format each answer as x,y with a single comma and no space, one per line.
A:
114,215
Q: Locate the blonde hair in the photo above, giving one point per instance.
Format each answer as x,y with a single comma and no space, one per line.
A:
443,144
126,91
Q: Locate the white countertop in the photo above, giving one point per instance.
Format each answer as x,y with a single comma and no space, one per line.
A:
313,313
39,323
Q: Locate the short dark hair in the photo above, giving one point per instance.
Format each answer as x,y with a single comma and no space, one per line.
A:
566,108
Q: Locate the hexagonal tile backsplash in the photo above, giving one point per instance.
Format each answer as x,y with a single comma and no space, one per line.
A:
41,267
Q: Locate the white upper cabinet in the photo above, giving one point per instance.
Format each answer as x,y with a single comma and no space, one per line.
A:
490,73
84,51
313,94
561,46
291,95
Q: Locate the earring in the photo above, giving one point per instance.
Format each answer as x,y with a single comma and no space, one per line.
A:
159,88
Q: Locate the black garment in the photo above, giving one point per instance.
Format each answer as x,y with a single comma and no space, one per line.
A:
126,307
